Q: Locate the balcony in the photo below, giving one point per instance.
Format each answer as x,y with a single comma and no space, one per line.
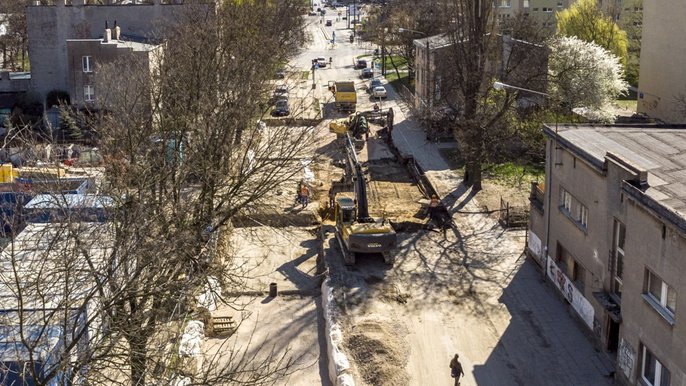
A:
536,195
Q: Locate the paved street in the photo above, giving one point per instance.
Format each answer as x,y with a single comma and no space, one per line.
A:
471,292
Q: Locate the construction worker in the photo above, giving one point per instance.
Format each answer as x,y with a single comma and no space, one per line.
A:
433,208
304,194
332,197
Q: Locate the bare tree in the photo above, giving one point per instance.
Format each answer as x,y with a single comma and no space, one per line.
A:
477,54
178,129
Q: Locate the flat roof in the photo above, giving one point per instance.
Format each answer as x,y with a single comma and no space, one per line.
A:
43,258
659,150
63,201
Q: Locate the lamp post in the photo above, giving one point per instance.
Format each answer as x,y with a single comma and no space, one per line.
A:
428,60
549,169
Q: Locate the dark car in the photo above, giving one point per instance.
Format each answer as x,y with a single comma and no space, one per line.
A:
280,93
361,63
328,23
280,73
312,13
373,83
367,73
281,108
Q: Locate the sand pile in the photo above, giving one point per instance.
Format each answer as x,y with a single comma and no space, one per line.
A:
379,351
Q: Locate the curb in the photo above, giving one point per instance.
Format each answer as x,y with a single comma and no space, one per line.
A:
338,361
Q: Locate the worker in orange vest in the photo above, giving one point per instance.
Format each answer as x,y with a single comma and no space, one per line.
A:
304,194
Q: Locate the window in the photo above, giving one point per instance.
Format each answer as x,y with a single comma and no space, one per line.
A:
653,371
505,3
583,216
565,200
574,271
88,93
87,63
660,293
618,263
573,209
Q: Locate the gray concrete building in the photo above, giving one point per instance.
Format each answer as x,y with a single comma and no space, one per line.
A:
608,225
50,27
85,55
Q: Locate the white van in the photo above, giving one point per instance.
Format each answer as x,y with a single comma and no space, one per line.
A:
322,61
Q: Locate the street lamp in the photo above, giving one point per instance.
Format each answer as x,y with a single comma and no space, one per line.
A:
549,174
428,59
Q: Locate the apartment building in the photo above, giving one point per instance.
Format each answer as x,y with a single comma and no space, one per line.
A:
84,56
54,30
542,11
662,87
608,225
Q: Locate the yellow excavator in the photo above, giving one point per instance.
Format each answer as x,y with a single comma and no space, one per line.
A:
356,230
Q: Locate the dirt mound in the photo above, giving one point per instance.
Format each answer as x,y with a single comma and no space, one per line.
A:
379,353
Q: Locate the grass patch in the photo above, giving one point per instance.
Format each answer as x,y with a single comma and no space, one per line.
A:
627,104
400,84
630,95
305,75
399,61
513,174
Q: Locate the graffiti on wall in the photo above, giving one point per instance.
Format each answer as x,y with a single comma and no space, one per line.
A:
625,358
571,293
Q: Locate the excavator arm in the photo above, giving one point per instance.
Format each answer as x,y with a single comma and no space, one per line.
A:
359,181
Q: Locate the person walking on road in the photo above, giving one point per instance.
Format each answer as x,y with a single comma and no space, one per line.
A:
456,369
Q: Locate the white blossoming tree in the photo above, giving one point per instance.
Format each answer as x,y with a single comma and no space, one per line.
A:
583,76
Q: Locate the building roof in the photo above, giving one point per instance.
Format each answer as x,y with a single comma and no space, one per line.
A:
435,41
134,45
63,201
658,150
44,258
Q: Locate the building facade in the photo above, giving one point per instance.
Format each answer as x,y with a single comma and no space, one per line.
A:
608,227
543,11
87,56
662,88
49,28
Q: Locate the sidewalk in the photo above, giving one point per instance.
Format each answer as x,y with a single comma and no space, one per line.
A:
515,330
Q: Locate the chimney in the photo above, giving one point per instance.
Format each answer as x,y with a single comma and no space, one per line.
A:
108,33
117,31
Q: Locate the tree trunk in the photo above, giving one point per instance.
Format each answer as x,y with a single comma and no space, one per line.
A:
472,175
138,359
394,66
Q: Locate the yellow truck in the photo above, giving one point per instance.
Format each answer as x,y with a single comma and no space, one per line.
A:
344,94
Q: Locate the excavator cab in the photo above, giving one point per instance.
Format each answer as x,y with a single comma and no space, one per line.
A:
345,210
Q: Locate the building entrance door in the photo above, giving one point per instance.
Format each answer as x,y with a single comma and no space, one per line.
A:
612,335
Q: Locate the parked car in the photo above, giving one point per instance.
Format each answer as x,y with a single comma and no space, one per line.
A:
280,93
321,61
280,73
379,92
373,83
361,63
312,13
367,73
281,108
328,23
